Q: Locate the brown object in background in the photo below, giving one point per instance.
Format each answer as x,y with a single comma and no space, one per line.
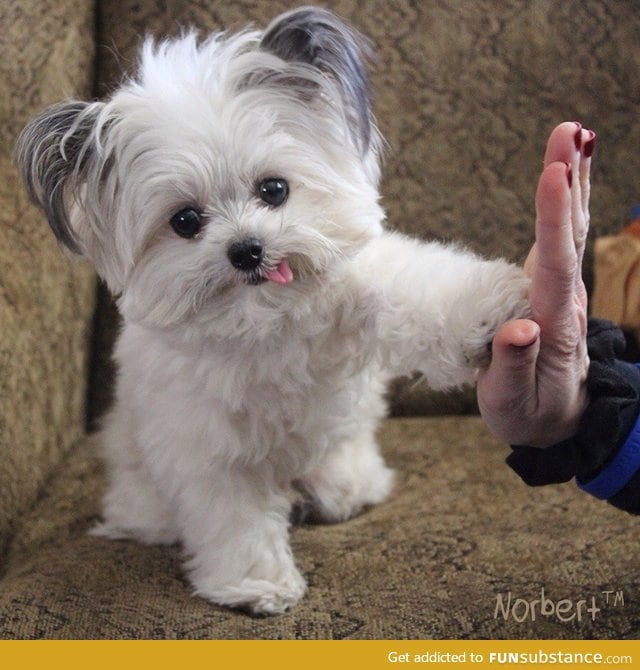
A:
616,294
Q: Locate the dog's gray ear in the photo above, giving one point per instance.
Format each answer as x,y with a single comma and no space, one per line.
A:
317,37
52,153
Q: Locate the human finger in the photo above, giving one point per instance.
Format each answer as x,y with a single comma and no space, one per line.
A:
555,261
582,193
511,376
564,143
570,143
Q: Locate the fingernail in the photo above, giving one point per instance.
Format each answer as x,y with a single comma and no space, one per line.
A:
589,145
569,174
577,138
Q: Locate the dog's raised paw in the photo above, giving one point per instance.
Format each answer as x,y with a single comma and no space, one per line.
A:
501,295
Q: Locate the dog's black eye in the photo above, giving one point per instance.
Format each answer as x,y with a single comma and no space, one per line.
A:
273,191
187,222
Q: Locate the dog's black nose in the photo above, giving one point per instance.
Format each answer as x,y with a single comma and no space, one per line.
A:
247,254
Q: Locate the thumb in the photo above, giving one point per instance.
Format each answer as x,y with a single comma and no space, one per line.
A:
512,371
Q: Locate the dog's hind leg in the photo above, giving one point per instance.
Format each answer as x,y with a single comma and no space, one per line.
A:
352,477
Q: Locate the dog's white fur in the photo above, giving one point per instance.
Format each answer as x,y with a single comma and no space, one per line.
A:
230,393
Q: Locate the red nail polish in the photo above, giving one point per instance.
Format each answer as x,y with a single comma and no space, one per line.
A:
577,138
589,145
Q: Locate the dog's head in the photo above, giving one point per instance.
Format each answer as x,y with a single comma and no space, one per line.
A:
223,170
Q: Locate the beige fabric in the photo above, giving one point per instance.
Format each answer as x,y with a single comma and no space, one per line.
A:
45,301
460,532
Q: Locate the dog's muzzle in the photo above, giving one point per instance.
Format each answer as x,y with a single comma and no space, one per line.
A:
248,256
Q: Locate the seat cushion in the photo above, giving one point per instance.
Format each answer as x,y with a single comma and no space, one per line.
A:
440,559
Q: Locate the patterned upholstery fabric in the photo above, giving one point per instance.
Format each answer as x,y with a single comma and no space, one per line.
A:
466,94
45,301
460,536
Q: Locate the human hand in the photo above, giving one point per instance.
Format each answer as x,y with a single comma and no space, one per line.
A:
534,390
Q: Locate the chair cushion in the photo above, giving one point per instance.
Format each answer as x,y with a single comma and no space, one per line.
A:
438,560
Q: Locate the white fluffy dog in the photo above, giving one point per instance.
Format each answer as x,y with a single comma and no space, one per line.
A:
228,196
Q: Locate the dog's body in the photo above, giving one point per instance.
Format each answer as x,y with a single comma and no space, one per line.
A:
228,195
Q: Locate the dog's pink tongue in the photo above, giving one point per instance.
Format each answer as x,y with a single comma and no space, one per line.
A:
281,274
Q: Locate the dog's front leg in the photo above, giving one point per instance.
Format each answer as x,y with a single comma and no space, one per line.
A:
437,307
236,535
